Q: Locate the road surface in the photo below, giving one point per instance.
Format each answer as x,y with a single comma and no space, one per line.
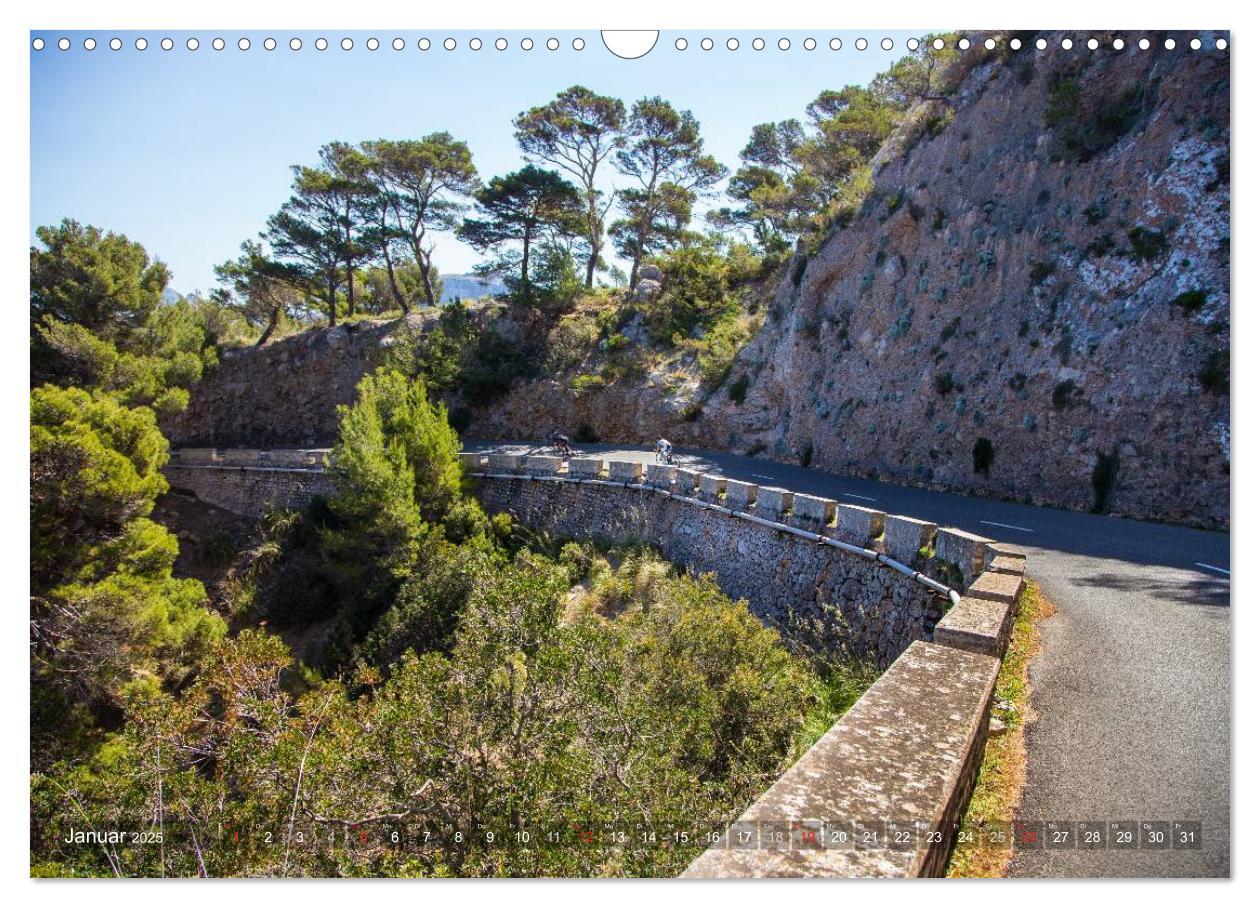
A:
1131,691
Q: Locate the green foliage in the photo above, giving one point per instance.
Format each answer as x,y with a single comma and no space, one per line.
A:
105,611
696,293
522,214
1190,301
396,465
1039,271
101,281
679,708
1086,126
1061,396
1214,373
739,389
1147,244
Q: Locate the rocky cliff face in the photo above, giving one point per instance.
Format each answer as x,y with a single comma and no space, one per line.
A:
1033,304
1012,317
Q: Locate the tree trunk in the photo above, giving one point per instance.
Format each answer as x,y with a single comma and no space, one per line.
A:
426,268
393,285
525,285
350,288
634,272
332,302
272,321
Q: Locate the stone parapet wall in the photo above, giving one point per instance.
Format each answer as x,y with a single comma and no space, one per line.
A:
781,575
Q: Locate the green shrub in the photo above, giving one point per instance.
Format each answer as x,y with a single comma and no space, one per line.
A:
1191,301
739,389
982,456
1103,479
1147,244
1061,396
1039,271
1214,373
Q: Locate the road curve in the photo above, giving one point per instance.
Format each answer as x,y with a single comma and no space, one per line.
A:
1131,691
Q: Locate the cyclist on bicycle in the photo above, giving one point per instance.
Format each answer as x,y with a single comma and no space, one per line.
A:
664,451
561,443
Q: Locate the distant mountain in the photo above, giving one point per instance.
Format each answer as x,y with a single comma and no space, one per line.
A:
469,286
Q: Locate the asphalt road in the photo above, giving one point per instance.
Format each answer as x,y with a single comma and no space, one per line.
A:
1131,692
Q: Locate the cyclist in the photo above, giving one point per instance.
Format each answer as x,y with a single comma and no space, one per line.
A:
664,451
561,443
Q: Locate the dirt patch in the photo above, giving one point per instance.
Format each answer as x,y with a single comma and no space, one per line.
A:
1003,770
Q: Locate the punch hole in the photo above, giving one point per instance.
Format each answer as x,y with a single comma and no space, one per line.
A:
706,44
167,44
732,44
269,44
553,44
424,44
373,44
680,44
1221,44
1066,44
990,44
218,44
579,44
295,44
115,43
758,44
500,44
398,44
1041,44
63,44
1016,44
860,44
141,44
809,44
527,44
784,44
835,44
886,44
346,44
1144,44
627,44
1092,44
912,44
1118,44
963,44
1195,43
1170,44
474,44
321,44
89,44
450,44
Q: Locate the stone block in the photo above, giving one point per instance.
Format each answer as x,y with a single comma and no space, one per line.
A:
995,550
503,463
586,467
963,550
297,458
712,487
740,495
198,455
685,482
858,525
1006,564
904,536
470,462
908,750
543,464
813,512
979,625
772,503
244,457
661,475
625,470
997,587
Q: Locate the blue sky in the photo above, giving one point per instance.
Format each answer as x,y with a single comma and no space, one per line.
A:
188,152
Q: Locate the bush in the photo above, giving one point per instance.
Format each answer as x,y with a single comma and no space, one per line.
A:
982,456
695,295
1082,127
1191,301
1103,479
1147,245
1214,373
1061,396
739,389
1039,271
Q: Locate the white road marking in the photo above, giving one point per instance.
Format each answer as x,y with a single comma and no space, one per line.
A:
1008,526
1212,567
863,497
761,476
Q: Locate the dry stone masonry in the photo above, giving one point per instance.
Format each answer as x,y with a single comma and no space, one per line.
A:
906,753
